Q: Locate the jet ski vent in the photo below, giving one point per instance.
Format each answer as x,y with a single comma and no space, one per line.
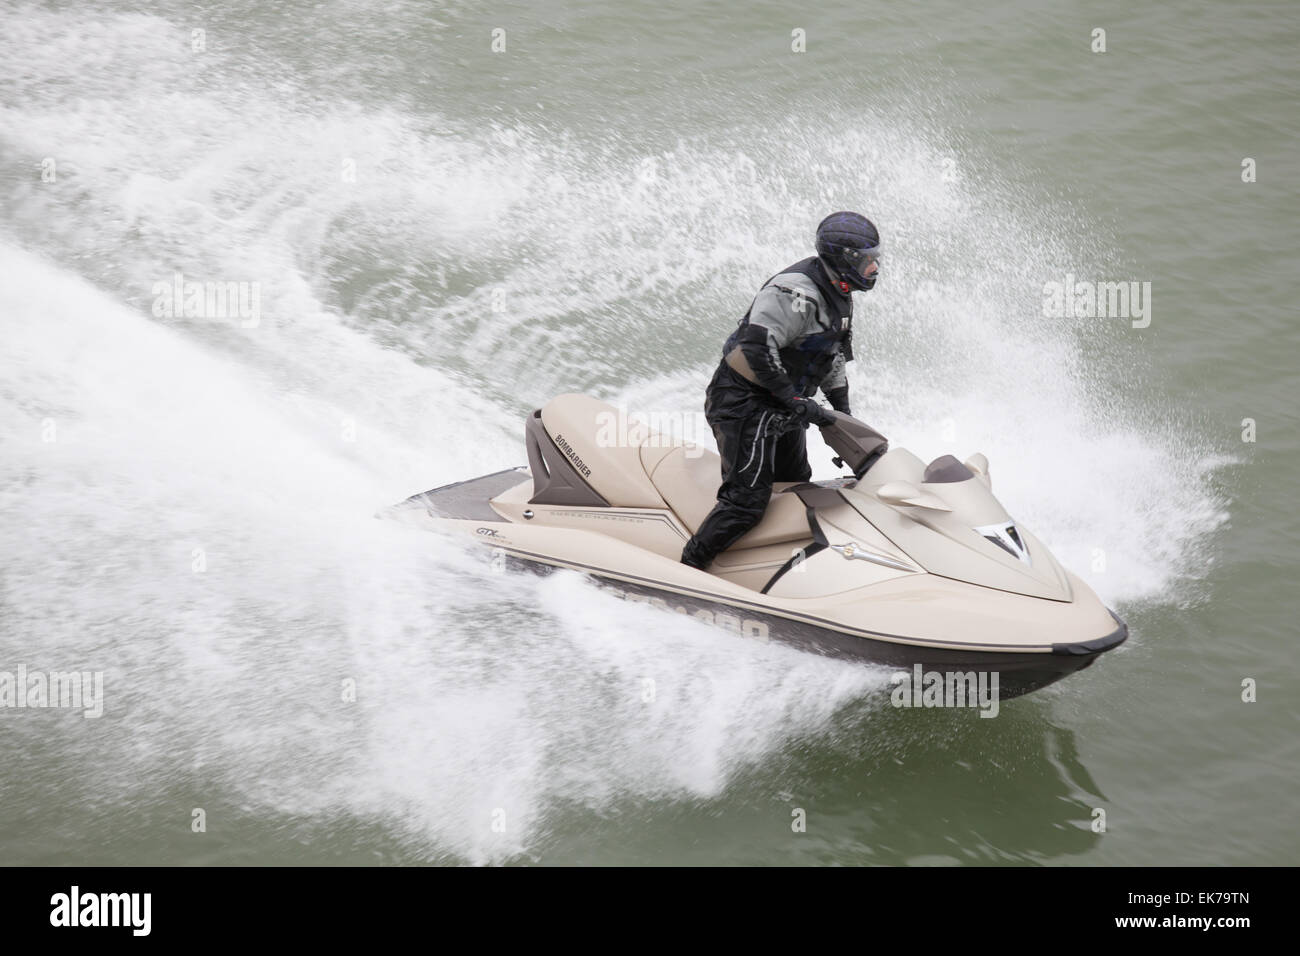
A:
1001,544
1006,537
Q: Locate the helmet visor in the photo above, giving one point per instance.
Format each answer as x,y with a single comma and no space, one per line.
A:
861,260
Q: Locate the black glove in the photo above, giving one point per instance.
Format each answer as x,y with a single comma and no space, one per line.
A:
839,399
808,412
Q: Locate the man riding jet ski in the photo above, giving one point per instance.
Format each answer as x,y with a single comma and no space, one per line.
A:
904,564
794,340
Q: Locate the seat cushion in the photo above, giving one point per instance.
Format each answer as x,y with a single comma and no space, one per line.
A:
689,483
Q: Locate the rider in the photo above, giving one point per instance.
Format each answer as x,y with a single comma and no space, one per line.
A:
795,339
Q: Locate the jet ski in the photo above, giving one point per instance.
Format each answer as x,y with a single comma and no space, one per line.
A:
903,563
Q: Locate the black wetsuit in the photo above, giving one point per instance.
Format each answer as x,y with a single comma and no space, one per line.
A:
794,339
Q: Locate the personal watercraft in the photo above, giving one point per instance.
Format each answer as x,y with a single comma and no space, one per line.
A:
903,564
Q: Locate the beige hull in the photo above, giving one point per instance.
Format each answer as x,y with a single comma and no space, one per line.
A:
889,568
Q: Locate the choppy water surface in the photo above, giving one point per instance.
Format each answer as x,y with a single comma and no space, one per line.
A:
621,182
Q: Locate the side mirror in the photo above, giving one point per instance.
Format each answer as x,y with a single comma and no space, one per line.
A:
980,465
906,493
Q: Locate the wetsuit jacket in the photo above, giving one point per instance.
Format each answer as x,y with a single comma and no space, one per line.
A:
796,336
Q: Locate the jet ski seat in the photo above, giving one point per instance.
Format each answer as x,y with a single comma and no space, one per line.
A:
578,456
688,480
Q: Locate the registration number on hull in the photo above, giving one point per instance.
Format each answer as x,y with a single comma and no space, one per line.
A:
744,626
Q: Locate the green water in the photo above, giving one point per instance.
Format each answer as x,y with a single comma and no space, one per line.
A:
621,178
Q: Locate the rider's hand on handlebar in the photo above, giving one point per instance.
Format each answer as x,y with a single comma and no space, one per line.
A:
808,412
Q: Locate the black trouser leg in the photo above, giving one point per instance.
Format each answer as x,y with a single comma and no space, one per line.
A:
792,457
753,453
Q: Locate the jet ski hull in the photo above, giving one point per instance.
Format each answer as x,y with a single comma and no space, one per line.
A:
1018,673
466,507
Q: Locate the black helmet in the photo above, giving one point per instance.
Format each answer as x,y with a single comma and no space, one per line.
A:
848,243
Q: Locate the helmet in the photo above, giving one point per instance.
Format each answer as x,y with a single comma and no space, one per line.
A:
848,243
